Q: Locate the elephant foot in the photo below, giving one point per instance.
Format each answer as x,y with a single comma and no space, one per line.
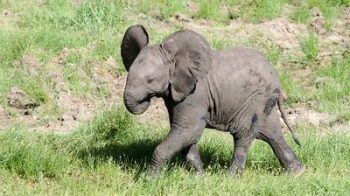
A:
153,173
200,172
234,171
296,169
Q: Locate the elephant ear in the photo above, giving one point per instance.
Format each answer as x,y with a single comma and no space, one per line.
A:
192,57
135,38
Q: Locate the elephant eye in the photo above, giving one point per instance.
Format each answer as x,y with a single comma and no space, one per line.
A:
150,80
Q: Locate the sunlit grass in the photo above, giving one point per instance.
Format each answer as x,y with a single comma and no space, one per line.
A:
111,155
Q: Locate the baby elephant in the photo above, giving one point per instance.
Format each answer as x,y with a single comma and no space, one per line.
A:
234,90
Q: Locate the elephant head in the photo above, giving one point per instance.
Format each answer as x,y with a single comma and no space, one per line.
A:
170,69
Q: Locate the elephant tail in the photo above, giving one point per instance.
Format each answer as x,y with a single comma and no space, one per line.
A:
284,116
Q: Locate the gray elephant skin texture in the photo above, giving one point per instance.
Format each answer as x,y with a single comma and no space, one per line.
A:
234,90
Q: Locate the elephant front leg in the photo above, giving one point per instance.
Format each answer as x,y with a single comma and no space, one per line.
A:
241,146
191,154
179,137
163,152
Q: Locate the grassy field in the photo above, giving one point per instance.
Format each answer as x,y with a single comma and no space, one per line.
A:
66,53
110,155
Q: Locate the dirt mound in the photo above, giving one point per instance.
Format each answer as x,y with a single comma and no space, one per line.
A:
323,122
17,98
282,32
279,32
30,63
334,41
308,116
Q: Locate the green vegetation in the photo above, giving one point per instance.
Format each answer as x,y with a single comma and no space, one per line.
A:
333,92
330,9
310,46
293,88
301,15
259,10
110,155
214,9
51,47
162,9
254,11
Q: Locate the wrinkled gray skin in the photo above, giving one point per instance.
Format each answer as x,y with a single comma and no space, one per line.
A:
234,90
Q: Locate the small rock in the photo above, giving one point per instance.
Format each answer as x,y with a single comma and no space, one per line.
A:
182,18
28,113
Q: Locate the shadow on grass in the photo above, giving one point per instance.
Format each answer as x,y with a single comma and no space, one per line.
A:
115,136
136,154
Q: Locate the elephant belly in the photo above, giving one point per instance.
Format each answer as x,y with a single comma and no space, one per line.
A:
240,89
238,117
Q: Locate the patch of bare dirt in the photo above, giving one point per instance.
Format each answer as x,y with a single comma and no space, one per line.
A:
317,21
308,116
17,98
61,56
105,74
282,32
340,127
7,17
75,109
30,63
4,118
279,32
323,122
335,41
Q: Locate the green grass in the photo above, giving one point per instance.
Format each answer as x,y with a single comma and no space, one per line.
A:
255,11
301,15
218,43
91,32
110,155
273,54
215,10
333,93
293,89
265,9
310,46
162,9
329,9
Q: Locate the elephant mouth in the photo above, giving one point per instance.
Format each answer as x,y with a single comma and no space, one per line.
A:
138,108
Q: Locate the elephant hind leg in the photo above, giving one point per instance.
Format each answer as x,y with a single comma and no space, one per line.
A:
241,146
271,132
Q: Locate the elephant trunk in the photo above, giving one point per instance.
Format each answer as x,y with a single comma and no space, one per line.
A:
134,104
